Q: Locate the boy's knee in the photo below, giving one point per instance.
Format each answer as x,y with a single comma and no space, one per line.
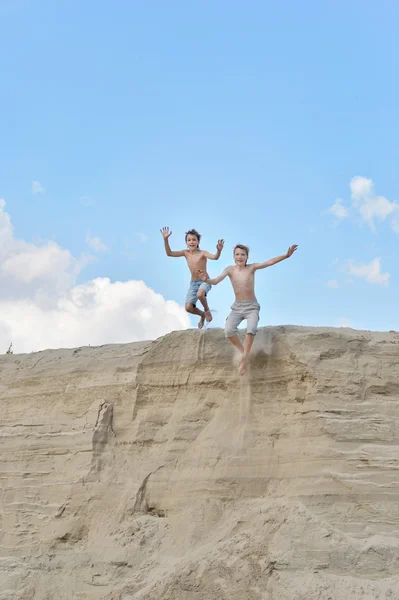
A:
252,331
189,307
201,294
229,333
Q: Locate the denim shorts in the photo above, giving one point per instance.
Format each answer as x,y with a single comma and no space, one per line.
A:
195,285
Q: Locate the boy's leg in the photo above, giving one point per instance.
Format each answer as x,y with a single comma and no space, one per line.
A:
201,295
235,340
232,323
249,340
191,300
193,310
252,317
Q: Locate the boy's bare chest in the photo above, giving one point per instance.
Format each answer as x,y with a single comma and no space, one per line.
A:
195,260
242,279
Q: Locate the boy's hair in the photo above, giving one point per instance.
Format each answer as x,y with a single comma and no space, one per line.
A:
242,247
193,232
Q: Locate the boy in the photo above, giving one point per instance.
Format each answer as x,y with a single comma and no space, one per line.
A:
196,260
242,277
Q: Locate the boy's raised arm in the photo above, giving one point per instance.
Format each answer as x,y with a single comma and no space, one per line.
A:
277,259
166,234
202,275
219,248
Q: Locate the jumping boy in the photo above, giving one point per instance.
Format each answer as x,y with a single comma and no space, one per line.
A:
242,277
196,261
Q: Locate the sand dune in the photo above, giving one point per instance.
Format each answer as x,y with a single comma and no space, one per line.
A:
152,471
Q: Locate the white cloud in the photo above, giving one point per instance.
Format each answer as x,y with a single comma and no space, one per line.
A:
361,187
376,207
28,269
37,188
96,312
95,243
41,306
332,283
338,210
5,226
29,263
369,205
370,272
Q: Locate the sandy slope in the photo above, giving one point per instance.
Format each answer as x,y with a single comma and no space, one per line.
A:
152,471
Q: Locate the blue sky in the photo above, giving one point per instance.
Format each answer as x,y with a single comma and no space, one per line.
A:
246,122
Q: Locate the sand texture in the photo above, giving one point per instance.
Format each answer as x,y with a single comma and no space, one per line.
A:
152,471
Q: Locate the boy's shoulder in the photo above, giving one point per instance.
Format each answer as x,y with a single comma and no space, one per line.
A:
252,267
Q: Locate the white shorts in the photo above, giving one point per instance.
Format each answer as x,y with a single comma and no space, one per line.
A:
240,310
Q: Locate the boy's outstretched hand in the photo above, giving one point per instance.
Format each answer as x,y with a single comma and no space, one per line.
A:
291,250
165,232
202,275
220,245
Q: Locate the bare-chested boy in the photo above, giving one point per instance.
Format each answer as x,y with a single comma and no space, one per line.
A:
242,277
196,260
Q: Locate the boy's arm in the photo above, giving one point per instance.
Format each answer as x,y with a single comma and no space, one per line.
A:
202,275
219,248
277,259
166,234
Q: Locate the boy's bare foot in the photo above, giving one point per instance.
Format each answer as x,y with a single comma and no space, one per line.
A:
201,322
243,364
208,316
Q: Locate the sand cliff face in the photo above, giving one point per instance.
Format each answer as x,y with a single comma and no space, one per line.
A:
152,471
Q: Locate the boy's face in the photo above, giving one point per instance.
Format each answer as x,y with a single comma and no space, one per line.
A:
240,257
192,241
